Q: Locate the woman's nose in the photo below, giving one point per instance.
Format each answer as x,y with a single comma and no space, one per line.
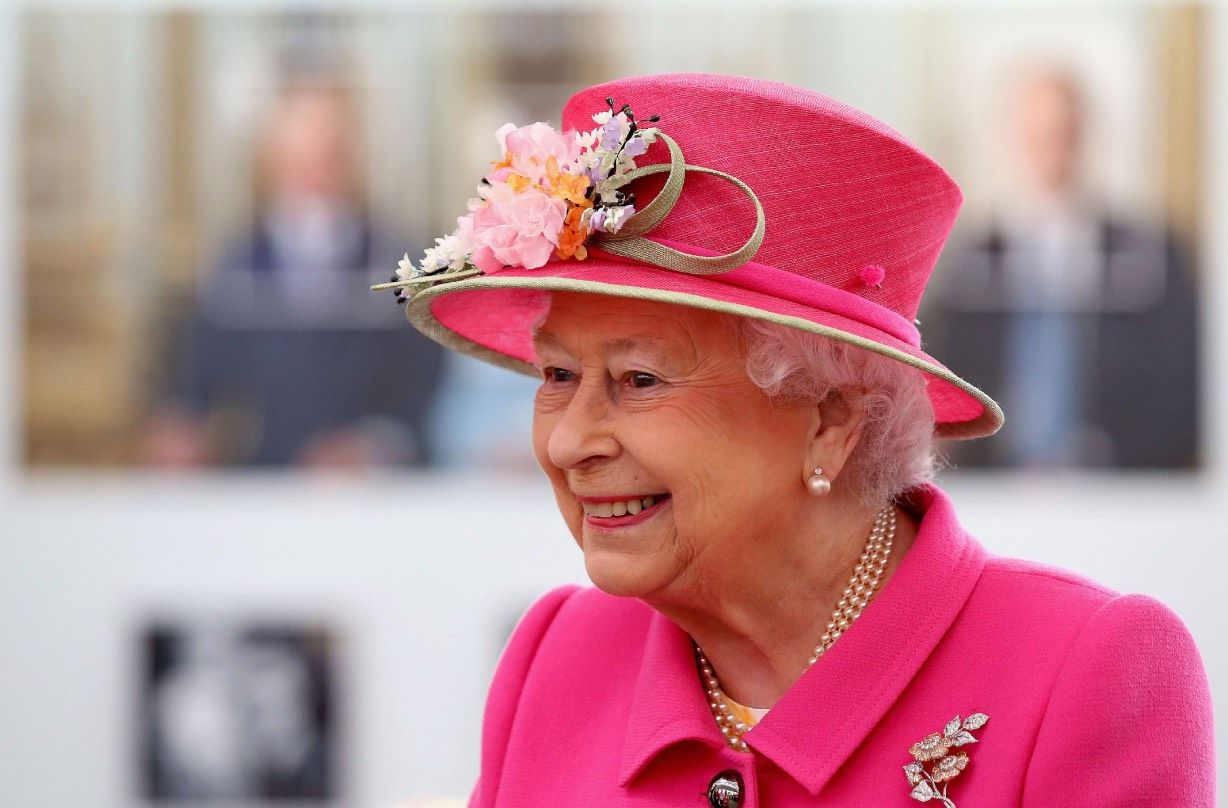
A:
583,433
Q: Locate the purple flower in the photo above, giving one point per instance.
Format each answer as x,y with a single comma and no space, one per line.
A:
635,147
596,222
611,134
617,217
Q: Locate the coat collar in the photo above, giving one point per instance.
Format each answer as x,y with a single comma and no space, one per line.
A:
826,714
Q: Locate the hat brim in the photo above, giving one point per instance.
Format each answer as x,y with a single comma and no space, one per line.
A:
490,317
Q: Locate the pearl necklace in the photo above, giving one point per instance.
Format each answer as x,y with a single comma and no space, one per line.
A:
861,587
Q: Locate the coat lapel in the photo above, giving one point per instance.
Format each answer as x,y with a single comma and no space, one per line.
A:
828,712
669,705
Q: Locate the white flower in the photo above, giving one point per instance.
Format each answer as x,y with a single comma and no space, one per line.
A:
405,268
607,190
432,260
450,253
587,140
602,117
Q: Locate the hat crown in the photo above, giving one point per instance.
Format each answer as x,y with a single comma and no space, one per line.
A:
842,191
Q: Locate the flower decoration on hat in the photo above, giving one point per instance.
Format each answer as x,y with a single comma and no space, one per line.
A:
553,194
544,200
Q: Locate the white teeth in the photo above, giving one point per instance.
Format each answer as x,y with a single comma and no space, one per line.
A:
609,509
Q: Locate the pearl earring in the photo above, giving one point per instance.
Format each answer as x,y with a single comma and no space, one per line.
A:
818,484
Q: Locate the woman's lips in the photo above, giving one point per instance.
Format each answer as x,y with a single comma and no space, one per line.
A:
593,509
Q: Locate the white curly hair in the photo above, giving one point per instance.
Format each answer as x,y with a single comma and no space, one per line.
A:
896,450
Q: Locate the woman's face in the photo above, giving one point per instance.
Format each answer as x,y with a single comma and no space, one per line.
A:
669,465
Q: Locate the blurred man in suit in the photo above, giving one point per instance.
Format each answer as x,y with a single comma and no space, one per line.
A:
290,359
1083,325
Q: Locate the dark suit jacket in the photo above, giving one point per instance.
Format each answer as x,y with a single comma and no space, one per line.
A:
290,381
1142,386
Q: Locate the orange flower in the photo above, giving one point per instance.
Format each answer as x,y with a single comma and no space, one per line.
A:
506,162
570,187
518,182
573,235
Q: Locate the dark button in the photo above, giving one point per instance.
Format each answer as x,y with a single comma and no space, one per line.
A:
725,790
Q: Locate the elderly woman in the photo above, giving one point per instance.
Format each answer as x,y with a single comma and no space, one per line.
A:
738,422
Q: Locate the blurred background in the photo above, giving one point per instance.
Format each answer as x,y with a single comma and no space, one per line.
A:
261,543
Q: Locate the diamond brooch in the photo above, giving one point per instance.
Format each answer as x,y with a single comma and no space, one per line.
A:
934,766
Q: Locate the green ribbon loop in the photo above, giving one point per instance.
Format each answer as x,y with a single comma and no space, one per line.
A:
629,242
655,211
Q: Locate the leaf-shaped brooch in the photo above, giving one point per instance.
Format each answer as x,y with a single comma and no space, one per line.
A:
935,750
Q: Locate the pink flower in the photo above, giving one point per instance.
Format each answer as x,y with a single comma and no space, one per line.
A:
515,229
527,148
464,232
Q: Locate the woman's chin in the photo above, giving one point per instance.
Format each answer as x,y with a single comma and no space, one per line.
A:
620,574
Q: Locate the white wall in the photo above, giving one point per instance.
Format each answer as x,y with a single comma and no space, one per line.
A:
420,577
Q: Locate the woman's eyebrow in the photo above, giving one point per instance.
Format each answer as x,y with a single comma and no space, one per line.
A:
649,344
640,342
544,339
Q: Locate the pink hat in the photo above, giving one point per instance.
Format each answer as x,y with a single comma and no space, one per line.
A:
790,207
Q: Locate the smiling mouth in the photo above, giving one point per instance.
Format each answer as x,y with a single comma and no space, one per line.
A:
622,508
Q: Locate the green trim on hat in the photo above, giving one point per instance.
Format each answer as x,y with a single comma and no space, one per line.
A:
418,311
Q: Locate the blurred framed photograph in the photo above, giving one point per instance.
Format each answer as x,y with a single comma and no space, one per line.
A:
237,712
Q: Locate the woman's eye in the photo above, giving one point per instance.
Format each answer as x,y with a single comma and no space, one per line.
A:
557,375
641,379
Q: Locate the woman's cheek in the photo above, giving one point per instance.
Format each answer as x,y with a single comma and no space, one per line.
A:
573,513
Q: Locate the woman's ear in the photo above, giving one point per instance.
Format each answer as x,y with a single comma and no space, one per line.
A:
836,429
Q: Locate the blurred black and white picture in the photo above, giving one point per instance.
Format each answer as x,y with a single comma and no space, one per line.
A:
238,712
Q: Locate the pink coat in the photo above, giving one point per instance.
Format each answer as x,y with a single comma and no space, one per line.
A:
1093,698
